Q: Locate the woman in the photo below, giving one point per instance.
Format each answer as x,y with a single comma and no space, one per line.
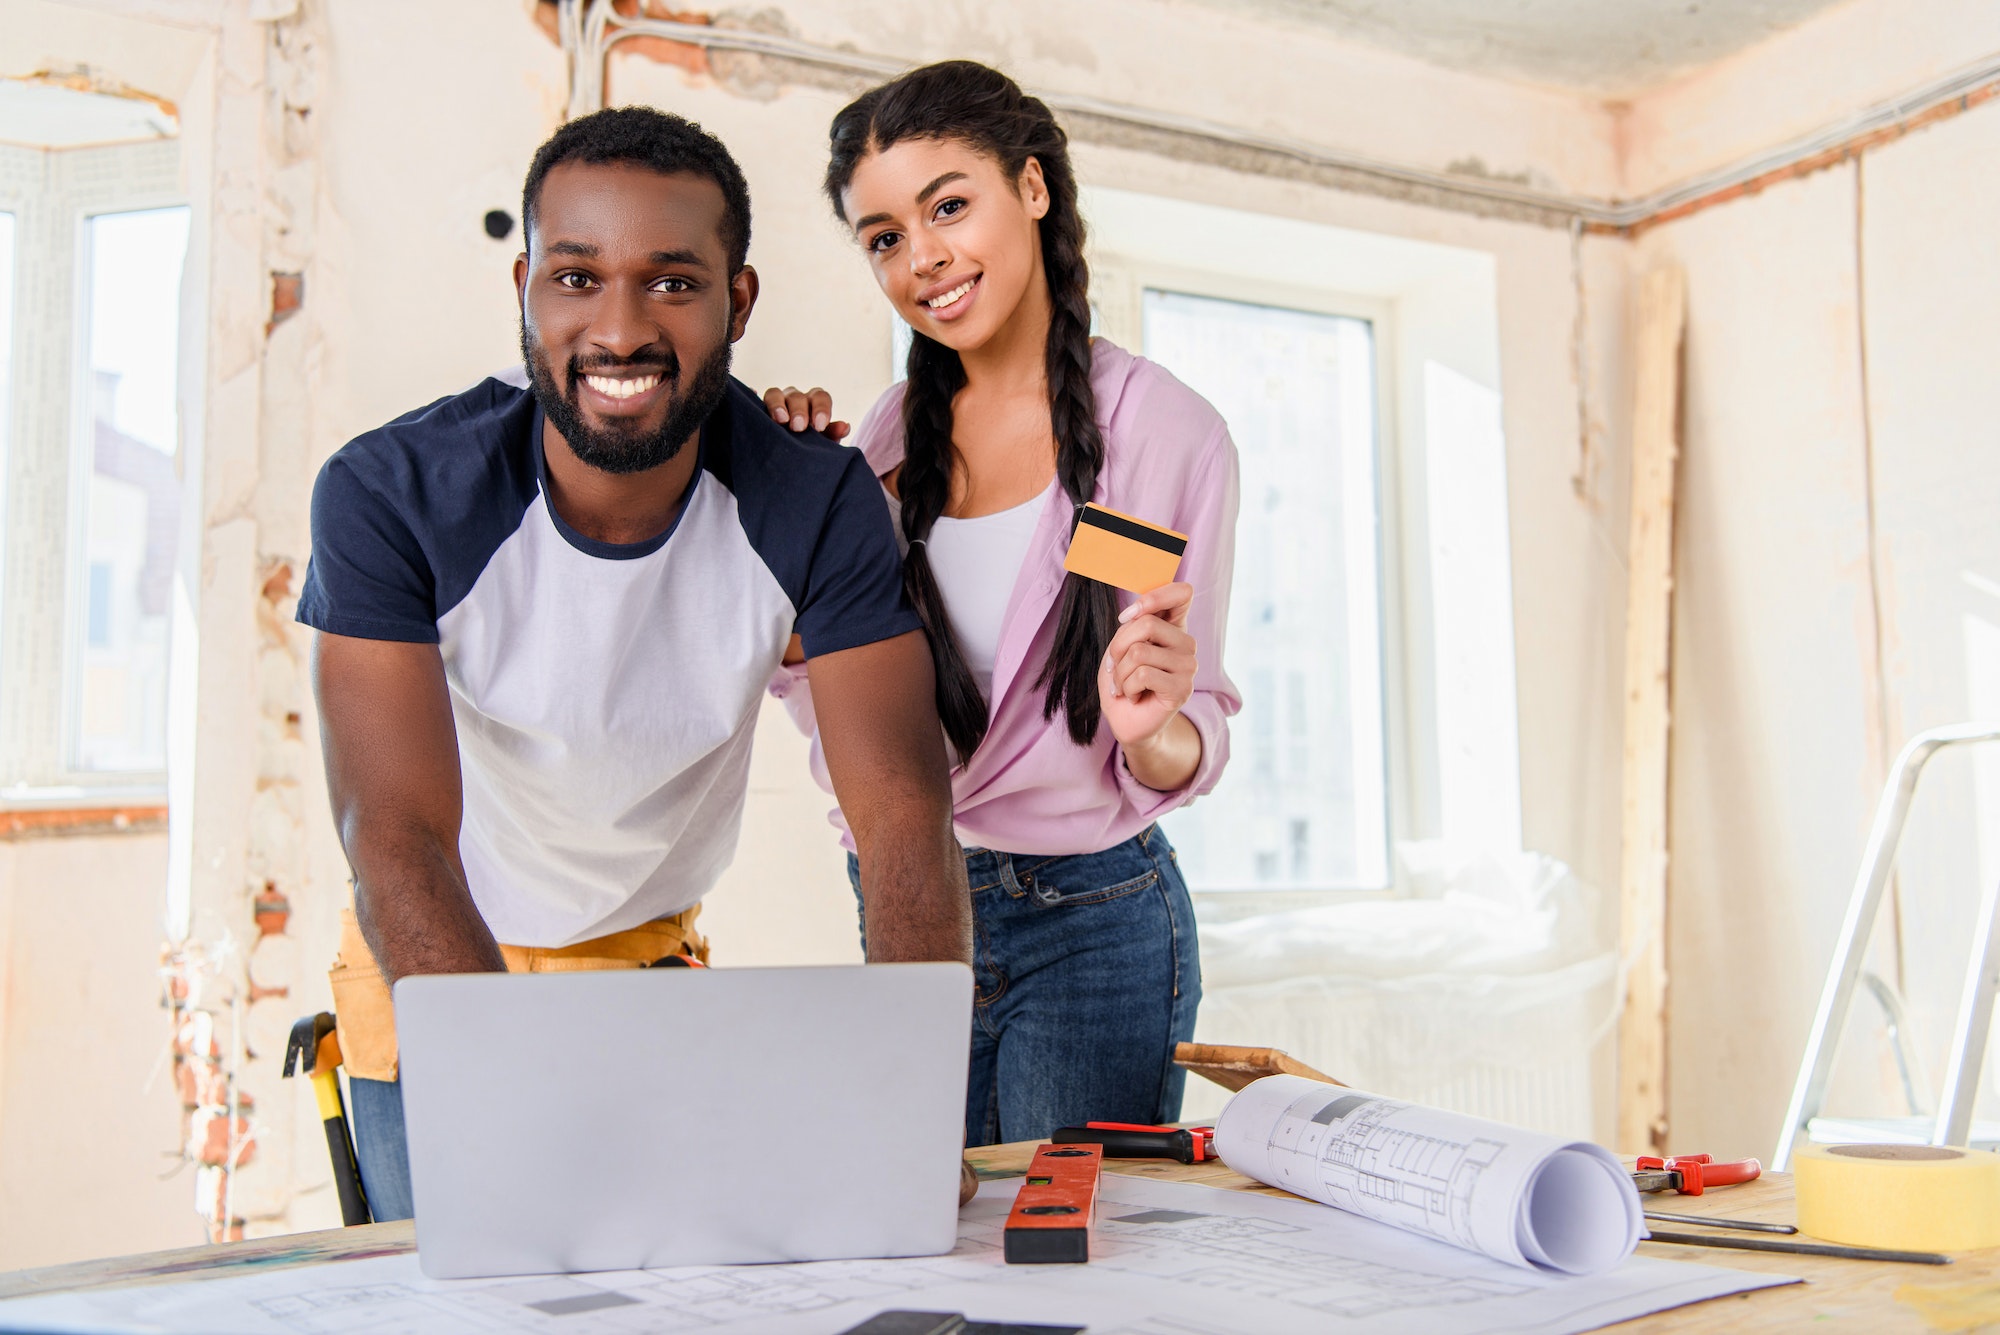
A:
1073,724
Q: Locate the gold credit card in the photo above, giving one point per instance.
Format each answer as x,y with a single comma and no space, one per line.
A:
1124,552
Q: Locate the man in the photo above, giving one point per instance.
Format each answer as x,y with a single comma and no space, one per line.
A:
547,617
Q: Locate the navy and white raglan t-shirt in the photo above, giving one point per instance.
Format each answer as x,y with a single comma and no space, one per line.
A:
604,694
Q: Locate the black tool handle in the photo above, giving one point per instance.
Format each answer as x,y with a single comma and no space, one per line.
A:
346,1174
1131,1144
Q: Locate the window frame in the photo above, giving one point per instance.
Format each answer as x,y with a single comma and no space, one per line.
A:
45,467
1118,287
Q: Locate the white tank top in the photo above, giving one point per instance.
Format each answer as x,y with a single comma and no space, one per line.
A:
976,562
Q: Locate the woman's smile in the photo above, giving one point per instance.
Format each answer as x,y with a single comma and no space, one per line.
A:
952,302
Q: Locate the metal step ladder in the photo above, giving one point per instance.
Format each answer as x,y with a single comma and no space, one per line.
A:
1952,1123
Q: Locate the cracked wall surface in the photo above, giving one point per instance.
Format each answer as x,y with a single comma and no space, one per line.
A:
341,169
244,972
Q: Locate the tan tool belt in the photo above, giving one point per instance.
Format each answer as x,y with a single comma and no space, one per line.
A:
366,1017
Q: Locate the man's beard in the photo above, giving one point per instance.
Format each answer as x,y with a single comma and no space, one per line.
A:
627,446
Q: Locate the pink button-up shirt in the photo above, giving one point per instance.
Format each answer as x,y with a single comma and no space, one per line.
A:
1029,788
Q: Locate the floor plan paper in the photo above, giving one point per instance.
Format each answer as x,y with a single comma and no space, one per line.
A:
1518,1196
1166,1259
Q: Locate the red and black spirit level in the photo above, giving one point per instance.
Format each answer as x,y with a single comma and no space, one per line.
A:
1052,1214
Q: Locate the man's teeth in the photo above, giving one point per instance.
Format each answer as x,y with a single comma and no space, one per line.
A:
621,389
939,303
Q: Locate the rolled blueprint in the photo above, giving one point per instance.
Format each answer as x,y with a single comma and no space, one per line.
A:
1531,1200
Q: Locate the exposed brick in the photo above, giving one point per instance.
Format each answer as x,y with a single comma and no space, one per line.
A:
288,294
693,59
196,1036
210,1082
212,1199
271,910
210,1138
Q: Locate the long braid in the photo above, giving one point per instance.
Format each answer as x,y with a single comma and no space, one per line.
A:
1087,615
924,486
979,106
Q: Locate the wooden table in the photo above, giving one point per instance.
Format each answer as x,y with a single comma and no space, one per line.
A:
1838,1296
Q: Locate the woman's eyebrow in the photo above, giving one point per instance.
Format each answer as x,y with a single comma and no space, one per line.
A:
923,195
931,189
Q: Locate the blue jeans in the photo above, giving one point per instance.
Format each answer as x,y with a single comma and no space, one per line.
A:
1086,974
375,1110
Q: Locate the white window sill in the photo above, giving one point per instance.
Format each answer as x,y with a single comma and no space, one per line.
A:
83,797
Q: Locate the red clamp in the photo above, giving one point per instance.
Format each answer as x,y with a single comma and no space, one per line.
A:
1691,1174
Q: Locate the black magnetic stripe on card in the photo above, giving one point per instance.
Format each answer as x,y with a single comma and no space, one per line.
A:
1125,528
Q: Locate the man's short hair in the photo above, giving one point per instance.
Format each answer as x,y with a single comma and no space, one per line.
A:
658,142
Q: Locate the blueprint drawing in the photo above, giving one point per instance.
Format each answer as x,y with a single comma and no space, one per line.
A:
1166,1259
1518,1196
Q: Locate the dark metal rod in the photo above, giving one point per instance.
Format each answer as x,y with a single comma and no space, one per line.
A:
1800,1248
1746,1225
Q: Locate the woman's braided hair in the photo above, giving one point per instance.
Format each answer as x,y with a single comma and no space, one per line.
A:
973,104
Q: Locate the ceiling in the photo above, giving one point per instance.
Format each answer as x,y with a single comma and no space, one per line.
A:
1608,47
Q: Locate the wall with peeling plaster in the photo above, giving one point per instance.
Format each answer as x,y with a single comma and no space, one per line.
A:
331,141
1838,486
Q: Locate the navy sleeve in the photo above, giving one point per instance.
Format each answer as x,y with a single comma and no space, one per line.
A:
854,588
368,576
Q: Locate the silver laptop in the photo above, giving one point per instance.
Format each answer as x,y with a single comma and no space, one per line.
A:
657,1117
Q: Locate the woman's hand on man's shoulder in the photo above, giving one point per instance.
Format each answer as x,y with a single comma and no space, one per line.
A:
799,409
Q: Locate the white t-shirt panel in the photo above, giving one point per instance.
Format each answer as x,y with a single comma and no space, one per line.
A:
595,750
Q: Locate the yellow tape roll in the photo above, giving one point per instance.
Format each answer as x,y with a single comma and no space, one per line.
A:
1914,1197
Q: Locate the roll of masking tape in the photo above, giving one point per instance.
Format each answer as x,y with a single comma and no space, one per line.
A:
1926,1198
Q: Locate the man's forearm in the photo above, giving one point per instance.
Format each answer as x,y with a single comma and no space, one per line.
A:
415,911
878,728
913,886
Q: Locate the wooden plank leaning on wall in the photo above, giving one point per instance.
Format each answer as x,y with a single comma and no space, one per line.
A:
1642,917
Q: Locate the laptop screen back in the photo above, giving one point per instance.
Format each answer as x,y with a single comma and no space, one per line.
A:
655,1117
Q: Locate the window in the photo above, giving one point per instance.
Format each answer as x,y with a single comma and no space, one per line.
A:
118,668
1472,599
1310,809
1371,622
92,251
